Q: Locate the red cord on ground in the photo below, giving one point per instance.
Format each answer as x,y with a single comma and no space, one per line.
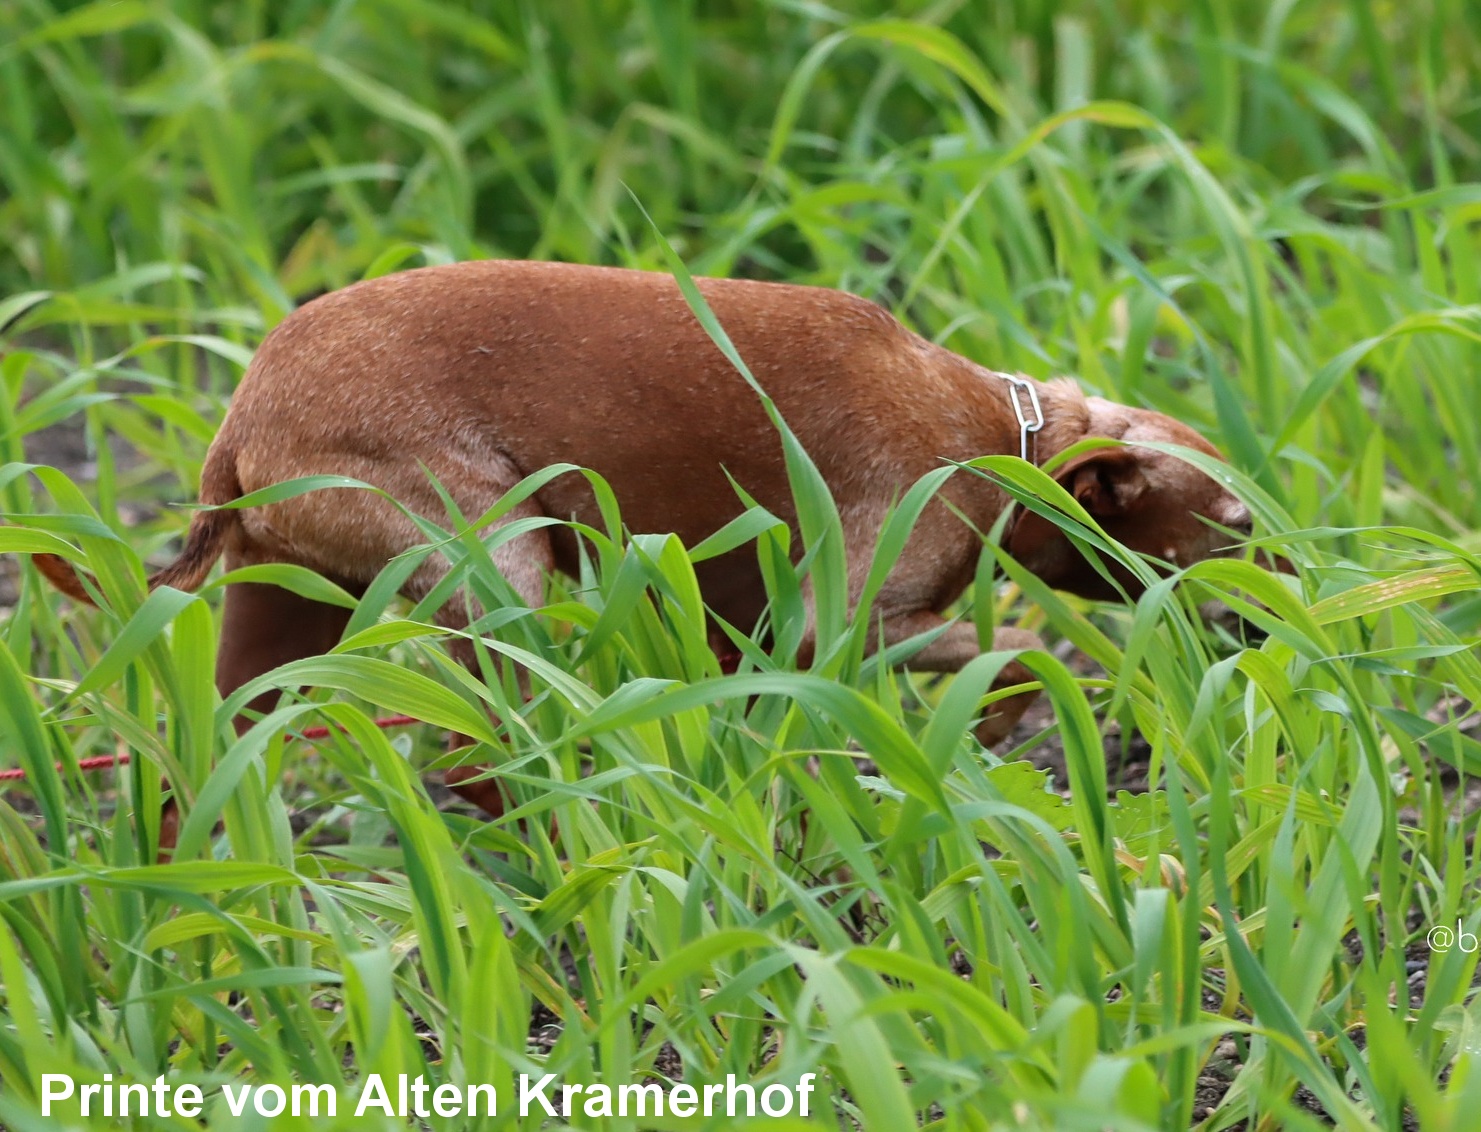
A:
103,762
729,661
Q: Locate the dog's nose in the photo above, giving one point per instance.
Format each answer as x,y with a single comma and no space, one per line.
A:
1236,516
1231,516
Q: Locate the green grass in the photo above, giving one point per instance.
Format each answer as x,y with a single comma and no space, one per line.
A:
1261,221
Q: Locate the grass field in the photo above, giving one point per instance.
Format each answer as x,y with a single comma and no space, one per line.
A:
1260,219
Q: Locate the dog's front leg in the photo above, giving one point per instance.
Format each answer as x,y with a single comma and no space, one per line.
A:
951,651
930,572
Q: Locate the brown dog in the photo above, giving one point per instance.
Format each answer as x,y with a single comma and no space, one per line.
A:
485,372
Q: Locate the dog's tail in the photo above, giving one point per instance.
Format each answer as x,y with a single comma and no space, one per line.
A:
204,541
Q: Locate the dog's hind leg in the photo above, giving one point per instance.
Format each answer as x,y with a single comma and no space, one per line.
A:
263,626
524,561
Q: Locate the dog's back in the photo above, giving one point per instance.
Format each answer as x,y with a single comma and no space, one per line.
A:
607,368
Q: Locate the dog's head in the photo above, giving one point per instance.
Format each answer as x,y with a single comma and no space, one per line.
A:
1151,502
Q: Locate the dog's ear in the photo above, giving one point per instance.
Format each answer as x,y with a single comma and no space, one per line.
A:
1106,482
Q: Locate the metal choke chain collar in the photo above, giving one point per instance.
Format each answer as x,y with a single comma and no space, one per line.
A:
1024,396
